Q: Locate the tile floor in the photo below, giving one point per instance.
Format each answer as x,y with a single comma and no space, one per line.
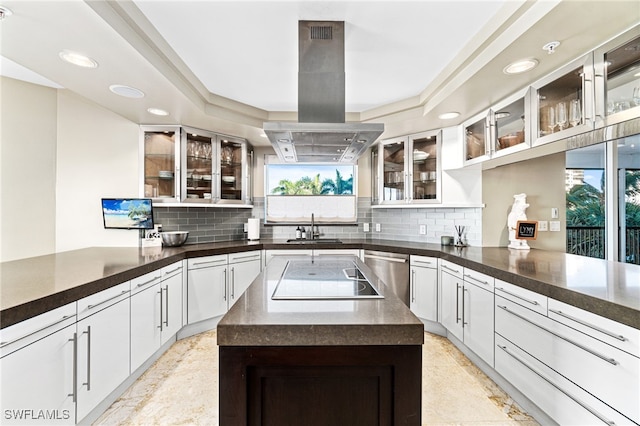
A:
179,390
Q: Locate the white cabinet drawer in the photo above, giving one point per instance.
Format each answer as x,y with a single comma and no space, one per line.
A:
207,261
451,268
145,281
99,301
478,278
171,270
423,261
246,256
606,372
619,335
560,399
26,332
522,296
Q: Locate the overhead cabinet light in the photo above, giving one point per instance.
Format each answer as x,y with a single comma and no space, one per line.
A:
521,66
126,91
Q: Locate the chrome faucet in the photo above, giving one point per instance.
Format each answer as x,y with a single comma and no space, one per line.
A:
314,232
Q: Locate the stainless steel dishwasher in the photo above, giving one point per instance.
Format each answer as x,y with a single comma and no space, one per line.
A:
392,269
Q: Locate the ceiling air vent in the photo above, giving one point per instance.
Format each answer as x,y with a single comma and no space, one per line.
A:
321,32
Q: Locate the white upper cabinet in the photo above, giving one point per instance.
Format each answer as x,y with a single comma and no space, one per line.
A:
617,72
407,169
187,165
500,130
562,104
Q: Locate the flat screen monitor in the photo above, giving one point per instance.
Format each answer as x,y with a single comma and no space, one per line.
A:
127,213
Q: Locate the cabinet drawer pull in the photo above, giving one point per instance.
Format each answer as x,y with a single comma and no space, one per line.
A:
586,324
173,270
390,259
464,290
233,283
251,256
611,361
150,281
166,305
3,344
160,326
225,284
457,303
107,300
413,285
209,261
477,280
533,302
543,377
451,269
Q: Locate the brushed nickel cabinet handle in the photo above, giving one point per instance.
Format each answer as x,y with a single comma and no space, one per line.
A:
543,377
471,277
533,302
166,305
160,293
451,269
150,281
74,368
88,382
586,324
3,344
107,300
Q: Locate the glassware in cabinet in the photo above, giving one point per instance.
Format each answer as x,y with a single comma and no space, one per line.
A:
569,90
199,153
617,66
424,172
232,175
160,162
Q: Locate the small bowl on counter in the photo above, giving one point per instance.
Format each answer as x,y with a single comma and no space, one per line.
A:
174,238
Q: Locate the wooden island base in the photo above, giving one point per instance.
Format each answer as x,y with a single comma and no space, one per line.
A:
320,385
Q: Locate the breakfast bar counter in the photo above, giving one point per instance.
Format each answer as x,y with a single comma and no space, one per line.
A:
321,359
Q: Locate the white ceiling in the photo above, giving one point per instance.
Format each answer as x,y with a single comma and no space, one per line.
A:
231,65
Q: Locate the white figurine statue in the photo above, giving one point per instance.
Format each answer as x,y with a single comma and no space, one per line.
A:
517,213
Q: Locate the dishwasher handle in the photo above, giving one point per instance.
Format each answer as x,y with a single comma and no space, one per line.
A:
390,259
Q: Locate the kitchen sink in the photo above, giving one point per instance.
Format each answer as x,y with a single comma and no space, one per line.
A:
316,241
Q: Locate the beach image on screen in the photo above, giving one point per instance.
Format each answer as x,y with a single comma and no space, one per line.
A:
127,213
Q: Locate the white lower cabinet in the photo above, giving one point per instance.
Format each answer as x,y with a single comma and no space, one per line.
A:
38,369
424,287
214,283
467,308
103,346
156,311
592,375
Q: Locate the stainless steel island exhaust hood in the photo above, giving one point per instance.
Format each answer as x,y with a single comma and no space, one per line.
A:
321,134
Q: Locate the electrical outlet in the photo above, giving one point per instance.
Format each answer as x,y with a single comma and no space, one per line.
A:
377,227
543,225
423,229
246,227
365,226
554,226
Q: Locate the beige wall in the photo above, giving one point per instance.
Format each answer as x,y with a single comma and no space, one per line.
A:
97,154
542,179
27,169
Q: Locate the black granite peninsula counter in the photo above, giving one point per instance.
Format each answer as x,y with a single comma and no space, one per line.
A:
319,357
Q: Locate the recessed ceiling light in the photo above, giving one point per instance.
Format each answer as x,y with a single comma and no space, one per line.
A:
637,75
157,111
4,12
126,91
78,59
449,115
522,65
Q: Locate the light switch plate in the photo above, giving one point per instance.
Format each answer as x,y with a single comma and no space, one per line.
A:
365,227
554,226
377,227
423,229
543,225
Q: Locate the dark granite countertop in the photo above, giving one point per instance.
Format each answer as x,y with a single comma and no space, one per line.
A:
258,320
35,285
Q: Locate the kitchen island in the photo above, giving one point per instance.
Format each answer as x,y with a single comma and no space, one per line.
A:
318,360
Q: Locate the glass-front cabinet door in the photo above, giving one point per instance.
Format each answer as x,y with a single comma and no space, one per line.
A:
563,102
160,157
476,137
509,129
232,175
408,169
617,66
392,166
199,151
424,169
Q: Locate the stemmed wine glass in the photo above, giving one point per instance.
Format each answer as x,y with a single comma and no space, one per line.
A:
561,114
551,118
575,115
